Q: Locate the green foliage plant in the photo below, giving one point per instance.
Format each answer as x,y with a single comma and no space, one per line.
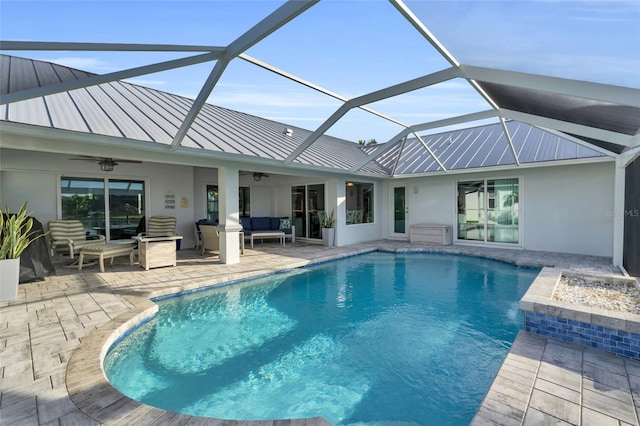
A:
329,220
15,233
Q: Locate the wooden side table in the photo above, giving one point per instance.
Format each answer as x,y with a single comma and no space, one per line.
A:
156,252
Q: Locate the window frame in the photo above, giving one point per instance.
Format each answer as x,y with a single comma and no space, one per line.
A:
105,181
485,241
362,214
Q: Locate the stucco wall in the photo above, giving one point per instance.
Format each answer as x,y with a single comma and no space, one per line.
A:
34,177
566,208
562,209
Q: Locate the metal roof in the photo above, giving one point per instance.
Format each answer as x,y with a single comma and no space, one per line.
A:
126,110
601,116
134,112
482,146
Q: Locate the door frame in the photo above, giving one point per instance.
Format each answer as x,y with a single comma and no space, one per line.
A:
392,210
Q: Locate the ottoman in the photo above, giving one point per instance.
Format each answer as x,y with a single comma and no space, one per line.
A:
108,250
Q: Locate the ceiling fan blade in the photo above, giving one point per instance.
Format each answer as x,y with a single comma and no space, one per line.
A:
85,158
103,159
119,160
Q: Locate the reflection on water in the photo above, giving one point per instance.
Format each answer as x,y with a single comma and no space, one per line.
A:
376,339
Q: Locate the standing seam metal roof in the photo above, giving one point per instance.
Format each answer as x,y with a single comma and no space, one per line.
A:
124,109
484,146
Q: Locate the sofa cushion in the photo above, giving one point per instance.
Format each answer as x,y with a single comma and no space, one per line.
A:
246,224
274,223
260,224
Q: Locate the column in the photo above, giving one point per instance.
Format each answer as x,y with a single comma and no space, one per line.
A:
229,226
618,211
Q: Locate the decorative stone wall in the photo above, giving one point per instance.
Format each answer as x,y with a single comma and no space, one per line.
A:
619,342
610,331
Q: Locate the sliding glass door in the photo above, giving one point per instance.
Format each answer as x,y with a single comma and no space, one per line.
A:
102,205
488,210
307,208
213,207
84,200
126,208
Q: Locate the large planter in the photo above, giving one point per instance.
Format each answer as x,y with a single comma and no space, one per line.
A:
328,236
9,276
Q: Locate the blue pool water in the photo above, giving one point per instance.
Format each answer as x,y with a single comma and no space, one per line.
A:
411,339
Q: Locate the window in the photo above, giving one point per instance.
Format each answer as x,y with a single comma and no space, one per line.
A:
213,208
359,203
101,204
488,210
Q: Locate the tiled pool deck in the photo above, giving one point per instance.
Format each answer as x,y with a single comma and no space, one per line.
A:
53,337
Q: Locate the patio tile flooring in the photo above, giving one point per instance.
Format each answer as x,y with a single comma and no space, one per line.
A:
52,336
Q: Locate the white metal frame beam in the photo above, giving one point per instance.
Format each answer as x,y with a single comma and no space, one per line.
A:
313,86
424,31
395,163
482,115
581,89
261,30
388,92
105,47
433,155
503,123
564,126
106,78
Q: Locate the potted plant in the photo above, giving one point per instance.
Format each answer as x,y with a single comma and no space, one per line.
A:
328,233
15,237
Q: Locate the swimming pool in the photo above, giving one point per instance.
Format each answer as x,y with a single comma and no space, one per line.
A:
378,338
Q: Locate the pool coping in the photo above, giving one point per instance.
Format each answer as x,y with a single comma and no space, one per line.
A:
91,392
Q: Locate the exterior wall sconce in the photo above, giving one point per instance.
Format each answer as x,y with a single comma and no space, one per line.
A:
106,166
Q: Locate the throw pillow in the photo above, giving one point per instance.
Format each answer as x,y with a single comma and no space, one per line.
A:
285,223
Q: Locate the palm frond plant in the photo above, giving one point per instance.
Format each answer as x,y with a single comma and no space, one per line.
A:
15,233
329,220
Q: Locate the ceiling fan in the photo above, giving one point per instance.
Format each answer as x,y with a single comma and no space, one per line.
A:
106,163
257,176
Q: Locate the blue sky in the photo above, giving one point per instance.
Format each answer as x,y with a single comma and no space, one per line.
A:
348,47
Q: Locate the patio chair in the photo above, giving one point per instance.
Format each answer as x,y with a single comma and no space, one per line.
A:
196,229
160,226
210,238
70,234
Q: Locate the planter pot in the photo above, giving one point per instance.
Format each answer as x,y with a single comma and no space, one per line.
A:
9,276
328,235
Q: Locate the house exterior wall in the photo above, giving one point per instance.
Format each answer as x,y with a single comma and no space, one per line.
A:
562,208
566,208
34,177
361,232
